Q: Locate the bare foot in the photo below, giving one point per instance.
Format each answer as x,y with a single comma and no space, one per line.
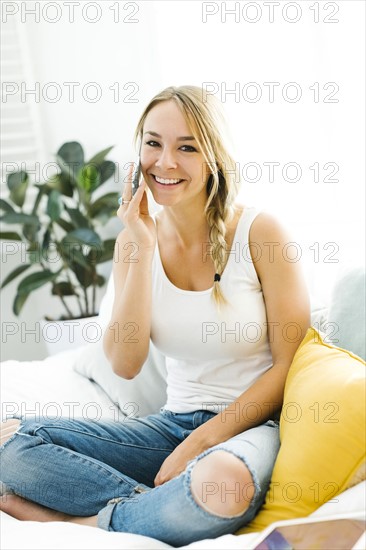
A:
8,428
23,509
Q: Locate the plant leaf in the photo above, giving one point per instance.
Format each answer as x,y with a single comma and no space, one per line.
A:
71,254
17,183
99,157
72,242
19,303
30,232
83,235
10,236
36,280
62,183
85,275
54,205
78,219
63,288
46,240
41,191
107,169
34,253
70,157
66,226
30,223
100,280
107,251
89,178
105,207
5,206
17,271
19,217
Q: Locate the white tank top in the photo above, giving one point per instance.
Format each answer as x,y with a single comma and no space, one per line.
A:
212,357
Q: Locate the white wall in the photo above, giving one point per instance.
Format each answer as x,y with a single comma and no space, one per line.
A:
175,43
229,52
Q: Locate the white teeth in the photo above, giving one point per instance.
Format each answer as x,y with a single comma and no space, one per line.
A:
166,182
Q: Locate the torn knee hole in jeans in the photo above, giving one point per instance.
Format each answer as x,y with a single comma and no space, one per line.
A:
246,493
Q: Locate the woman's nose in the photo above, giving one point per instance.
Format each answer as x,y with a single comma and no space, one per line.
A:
166,160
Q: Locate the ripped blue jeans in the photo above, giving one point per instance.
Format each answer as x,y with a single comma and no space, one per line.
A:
84,467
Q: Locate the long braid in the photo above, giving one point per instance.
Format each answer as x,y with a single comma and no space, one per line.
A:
219,211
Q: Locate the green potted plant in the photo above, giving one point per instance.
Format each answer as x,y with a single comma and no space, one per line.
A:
60,232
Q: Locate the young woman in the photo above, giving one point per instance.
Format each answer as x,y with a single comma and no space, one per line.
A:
208,280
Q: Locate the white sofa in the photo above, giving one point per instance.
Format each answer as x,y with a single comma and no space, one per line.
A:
79,383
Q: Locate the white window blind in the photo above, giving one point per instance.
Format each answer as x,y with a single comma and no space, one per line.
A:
21,144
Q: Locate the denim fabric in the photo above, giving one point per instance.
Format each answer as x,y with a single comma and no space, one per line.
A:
84,467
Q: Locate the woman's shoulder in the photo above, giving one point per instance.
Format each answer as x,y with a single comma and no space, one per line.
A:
267,227
261,223
269,242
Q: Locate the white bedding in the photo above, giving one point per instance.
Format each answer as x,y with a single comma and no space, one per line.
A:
31,535
52,388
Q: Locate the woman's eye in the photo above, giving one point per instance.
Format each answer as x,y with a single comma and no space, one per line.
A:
189,149
184,148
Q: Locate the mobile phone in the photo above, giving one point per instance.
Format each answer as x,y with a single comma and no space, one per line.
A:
136,178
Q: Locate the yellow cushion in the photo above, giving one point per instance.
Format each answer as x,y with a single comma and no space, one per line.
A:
322,432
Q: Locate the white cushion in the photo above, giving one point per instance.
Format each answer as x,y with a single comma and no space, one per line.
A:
352,500
144,394
347,311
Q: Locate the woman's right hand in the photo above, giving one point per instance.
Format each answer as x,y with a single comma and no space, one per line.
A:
135,215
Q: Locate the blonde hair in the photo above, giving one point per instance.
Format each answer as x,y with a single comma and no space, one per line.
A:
206,120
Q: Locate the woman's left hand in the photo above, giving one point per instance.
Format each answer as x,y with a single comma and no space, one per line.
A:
177,461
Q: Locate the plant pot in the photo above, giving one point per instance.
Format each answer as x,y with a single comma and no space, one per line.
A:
61,335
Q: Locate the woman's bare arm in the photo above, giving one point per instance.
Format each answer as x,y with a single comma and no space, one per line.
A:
127,337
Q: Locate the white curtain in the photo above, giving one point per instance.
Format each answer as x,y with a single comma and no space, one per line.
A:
22,140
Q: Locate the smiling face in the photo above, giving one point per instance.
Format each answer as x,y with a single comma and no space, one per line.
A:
172,162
